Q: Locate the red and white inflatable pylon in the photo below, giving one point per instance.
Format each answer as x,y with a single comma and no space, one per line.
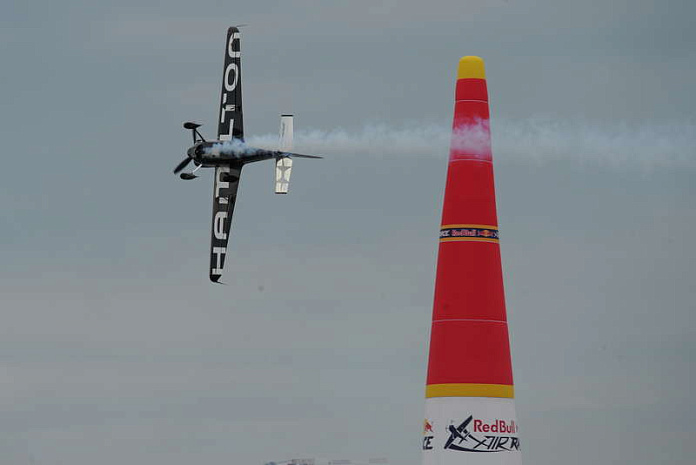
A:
470,409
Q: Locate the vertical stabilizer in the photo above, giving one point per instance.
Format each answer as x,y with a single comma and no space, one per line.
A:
286,133
283,167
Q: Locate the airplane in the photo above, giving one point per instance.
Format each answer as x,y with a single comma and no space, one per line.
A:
229,153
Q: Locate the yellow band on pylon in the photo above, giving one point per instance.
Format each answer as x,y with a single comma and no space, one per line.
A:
469,239
470,390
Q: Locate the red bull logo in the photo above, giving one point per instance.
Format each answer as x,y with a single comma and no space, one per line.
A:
498,426
450,233
497,437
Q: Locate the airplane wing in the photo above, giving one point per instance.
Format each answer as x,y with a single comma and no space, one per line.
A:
230,126
224,197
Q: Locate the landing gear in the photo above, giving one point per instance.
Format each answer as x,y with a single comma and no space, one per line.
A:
191,175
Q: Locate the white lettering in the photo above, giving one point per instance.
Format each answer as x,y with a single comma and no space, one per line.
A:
229,87
230,51
220,184
223,111
219,253
227,136
219,225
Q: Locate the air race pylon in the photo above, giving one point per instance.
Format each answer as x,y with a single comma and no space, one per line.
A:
470,411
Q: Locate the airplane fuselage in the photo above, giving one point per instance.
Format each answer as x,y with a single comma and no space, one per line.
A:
218,153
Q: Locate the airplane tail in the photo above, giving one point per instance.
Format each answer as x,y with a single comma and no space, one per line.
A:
283,166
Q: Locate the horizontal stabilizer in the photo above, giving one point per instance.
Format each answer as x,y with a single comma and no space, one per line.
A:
299,155
282,175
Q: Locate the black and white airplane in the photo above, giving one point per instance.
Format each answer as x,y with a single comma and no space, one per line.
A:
229,153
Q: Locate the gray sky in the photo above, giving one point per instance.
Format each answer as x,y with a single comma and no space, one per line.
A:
114,347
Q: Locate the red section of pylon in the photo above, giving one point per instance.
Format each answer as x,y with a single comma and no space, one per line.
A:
469,351
469,339
469,282
469,195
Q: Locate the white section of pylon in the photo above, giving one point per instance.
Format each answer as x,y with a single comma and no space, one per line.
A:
491,437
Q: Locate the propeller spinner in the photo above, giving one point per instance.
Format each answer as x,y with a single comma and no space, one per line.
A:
184,163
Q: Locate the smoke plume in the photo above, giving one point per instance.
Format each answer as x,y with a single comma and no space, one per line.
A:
533,140
232,147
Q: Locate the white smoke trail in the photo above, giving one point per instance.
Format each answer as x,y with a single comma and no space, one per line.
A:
233,147
619,145
534,140
375,140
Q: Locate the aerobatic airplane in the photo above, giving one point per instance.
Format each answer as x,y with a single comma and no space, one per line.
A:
228,154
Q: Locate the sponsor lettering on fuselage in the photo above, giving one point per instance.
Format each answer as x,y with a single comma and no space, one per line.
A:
220,224
230,105
225,180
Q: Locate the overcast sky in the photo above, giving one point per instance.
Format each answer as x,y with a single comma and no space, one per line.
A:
115,348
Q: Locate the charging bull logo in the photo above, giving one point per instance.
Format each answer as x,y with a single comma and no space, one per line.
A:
468,438
428,435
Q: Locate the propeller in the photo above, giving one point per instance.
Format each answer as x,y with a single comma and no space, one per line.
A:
184,163
194,132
